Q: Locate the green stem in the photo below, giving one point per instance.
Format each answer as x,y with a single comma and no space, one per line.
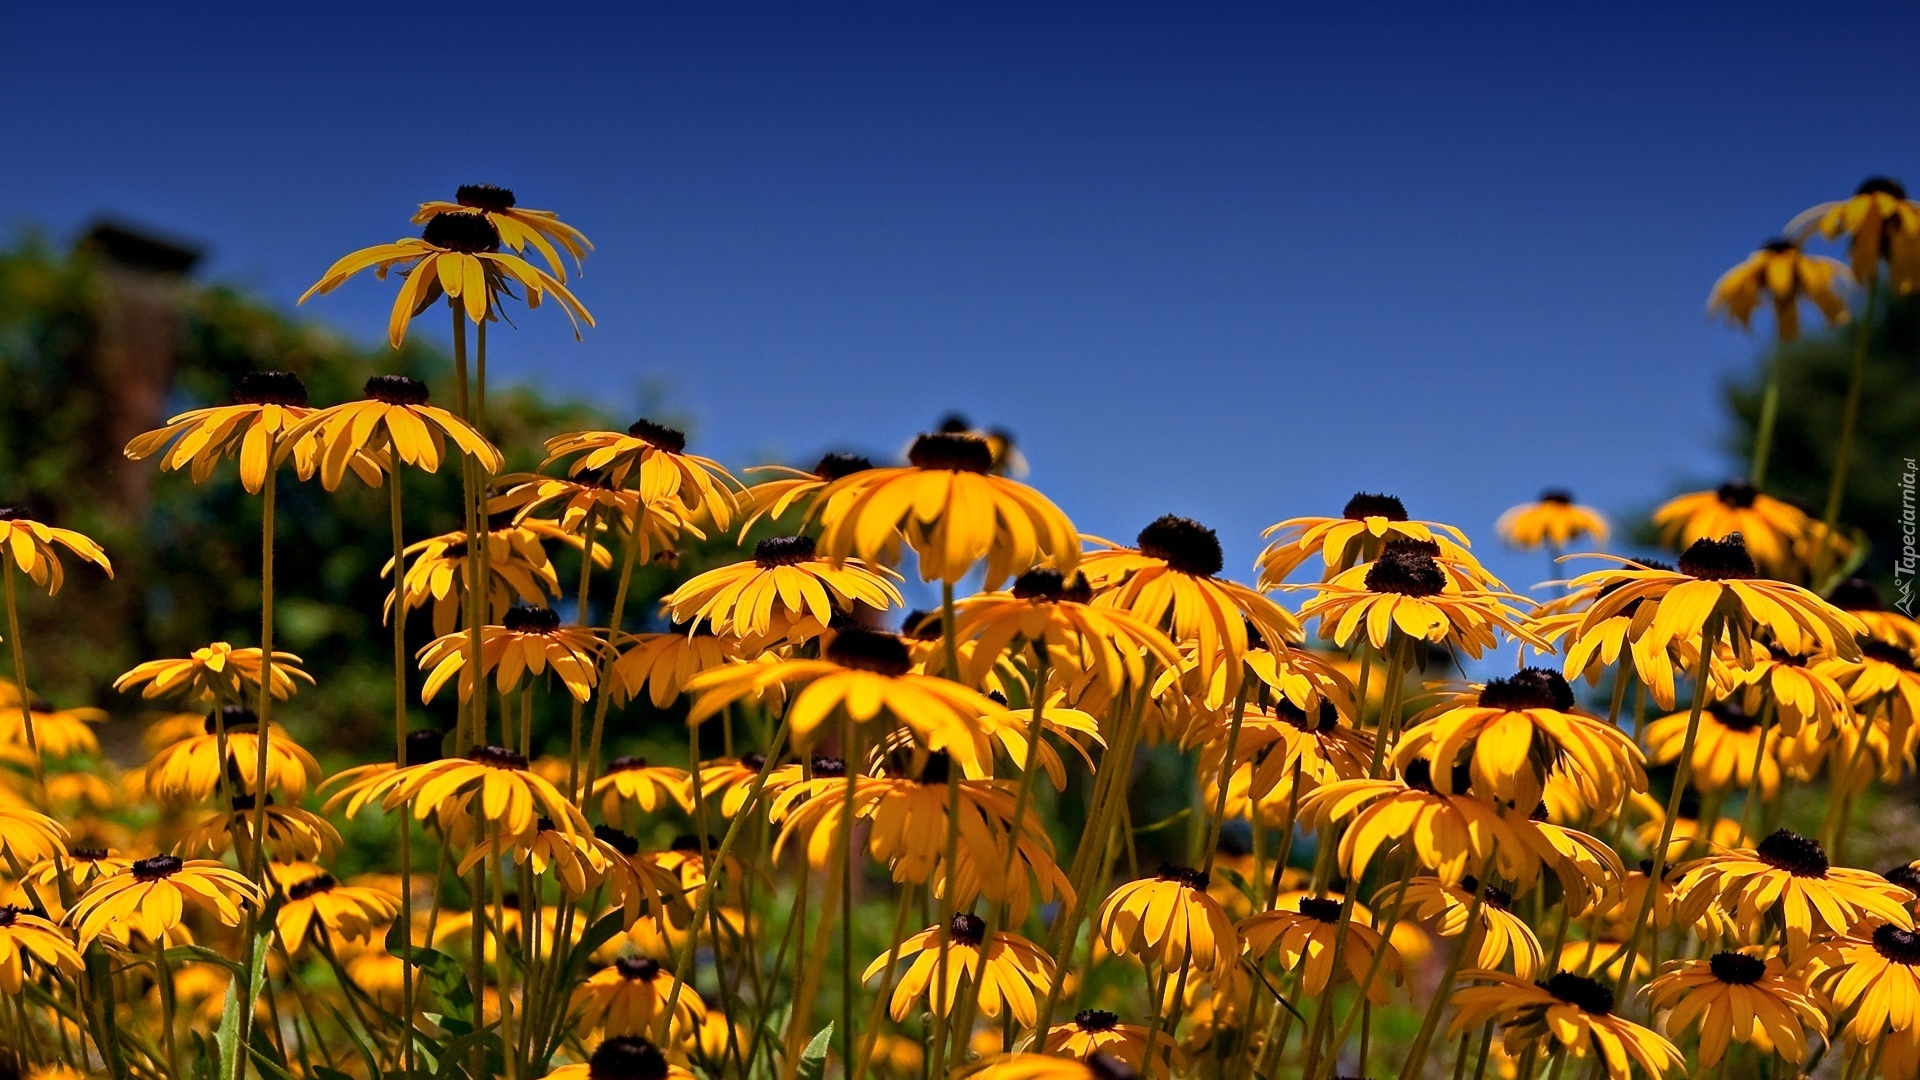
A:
1417,1058
1849,420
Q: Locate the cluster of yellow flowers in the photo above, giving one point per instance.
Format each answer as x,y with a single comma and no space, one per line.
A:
1347,817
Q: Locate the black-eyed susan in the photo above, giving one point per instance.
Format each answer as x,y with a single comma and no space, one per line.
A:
1451,834
291,832
1054,1067
1786,881
629,995
662,664
28,938
1011,972
622,1057
792,489
395,419
1406,589
1876,973
1281,751
1801,688
193,769
1571,1010
1305,933
1170,920
786,591
79,864
1616,643
528,641
1784,276
1007,728
1884,682
1048,610
518,570
214,674
1514,731
867,674
319,904
266,405
1769,527
951,510
1501,933
57,732
1729,744
1553,522
1861,598
1879,222
519,227
1738,997
549,503
1688,830
457,255
652,458
726,783
148,899
1587,867
633,783
1364,527
1170,581
1097,1031
32,547
499,790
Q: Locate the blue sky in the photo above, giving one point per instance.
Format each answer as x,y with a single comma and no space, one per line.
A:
1234,262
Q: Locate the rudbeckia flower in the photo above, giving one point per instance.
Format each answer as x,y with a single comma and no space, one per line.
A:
1011,972
1358,535
1875,972
321,904
33,548
148,899
1406,589
457,255
1768,527
1725,750
1802,688
952,511
1169,919
865,672
622,1057
25,937
626,997
1780,273
1738,997
785,591
552,503
393,419
1574,1011
795,488
518,226
57,733
518,570
1786,880
528,641
725,783
1879,222
633,782
1885,681
1859,598
1048,611
215,673
1306,936
1278,748
1688,830
1052,1067
662,664
655,456
506,795
1553,522
1169,580
1500,932
266,405
1617,643
1450,834
292,833
191,770
1097,1031
81,865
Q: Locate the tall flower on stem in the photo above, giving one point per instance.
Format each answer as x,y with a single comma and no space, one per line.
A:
519,227
33,548
1568,1014
1367,523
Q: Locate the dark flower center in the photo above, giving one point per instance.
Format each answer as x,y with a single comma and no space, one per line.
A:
1405,571
88,854
1907,876
1738,494
637,967
396,390
625,1057
8,913
243,803
317,884
1886,654
270,388
1557,496
672,440
1779,245
465,233
753,761
870,650
1730,716
231,717
691,842
497,757
12,513
1320,909
953,451
968,929
1584,994
1718,560
1183,544
427,744
921,625
1690,804
1095,1020
1881,185
1737,968
1326,717
1185,875
1364,505
1419,776
835,466
1498,899
617,840
828,766
1111,1068
1051,586
938,769
782,551
626,763
484,197
1897,945
526,619
1856,594
156,868
1531,688
1797,855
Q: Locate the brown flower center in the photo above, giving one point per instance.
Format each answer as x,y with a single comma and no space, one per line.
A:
1584,994
1738,969
156,868
1320,909
1897,945
619,841
1718,560
396,390
637,968
672,440
270,388
626,1057
318,884
1050,586
526,619
469,234
1738,494
953,451
782,551
490,197
1185,875
968,929
1364,505
833,467
1406,571
497,757
1798,855
1530,688
1183,544
870,650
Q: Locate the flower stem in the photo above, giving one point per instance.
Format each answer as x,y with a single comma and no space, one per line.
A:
1849,420
1417,1057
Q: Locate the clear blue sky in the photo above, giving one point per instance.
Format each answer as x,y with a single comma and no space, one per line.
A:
1233,262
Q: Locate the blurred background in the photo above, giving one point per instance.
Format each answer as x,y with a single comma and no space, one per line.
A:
1232,263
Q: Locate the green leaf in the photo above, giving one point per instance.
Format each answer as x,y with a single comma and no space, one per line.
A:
241,994
200,954
1239,882
267,1067
443,975
813,1060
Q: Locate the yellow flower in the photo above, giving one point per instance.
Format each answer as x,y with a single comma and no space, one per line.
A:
1724,751
1308,933
1785,275
318,903
191,770
517,567
631,781
953,512
1859,597
1358,535
528,641
394,419
1877,973
1407,589
772,499
784,591
25,936
1047,611
32,547
510,798
1500,932
1618,639
57,732
457,255
1738,997
725,783
1879,222
626,997
1769,527
1169,919
214,673
1097,1031
568,502
1554,521
664,664
148,899
292,833
1051,1067
1450,834
1802,688
623,1057
1278,747
266,405
1786,879
1688,830
654,455
518,226
1572,1010
1011,972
